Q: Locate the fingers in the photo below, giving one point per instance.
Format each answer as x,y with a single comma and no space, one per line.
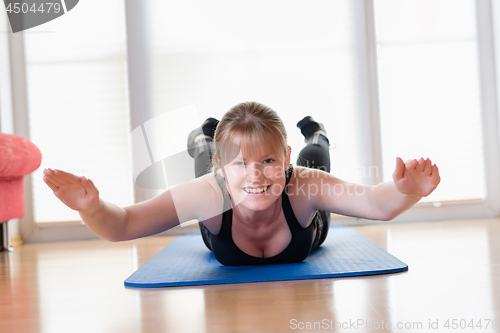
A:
51,179
421,165
88,185
53,186
435,174
411,164
428,167
400,169
57,178
66,177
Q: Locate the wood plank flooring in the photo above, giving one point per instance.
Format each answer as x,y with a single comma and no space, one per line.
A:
453,285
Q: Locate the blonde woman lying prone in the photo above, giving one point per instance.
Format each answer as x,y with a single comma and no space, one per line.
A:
253,206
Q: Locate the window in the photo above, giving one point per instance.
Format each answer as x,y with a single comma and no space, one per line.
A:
77,101
430,102
297,58
420,97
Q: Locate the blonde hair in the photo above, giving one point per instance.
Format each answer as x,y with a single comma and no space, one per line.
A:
247,126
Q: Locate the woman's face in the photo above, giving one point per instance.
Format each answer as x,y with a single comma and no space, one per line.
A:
255,179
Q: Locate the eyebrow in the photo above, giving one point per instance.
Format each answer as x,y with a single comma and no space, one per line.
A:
264,157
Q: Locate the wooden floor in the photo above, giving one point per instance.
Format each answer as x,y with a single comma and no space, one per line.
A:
453,283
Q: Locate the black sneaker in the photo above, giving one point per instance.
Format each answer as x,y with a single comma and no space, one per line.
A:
207,128
308,127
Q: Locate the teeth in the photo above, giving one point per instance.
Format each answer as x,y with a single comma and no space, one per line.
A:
255,190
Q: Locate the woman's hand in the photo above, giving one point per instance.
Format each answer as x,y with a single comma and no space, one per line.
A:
416,178
78,193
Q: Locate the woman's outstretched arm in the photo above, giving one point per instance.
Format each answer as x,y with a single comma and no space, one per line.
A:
411,181
193,200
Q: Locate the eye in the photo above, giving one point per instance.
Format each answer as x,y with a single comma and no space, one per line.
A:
239,163
269,160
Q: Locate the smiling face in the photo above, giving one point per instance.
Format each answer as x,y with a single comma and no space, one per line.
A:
255,178
252,153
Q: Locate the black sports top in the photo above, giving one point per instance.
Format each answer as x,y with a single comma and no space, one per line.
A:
227,253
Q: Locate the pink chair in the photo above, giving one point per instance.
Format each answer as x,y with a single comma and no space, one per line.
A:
18,157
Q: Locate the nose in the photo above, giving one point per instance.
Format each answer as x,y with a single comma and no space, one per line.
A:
254,172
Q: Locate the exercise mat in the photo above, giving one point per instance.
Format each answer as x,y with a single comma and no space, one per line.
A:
187,262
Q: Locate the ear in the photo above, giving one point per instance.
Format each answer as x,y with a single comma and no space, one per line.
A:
288,156
216,160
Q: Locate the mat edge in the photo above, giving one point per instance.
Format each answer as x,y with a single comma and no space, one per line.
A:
219,282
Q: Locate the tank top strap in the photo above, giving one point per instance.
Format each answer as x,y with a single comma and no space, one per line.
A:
227,215
288,174
290,217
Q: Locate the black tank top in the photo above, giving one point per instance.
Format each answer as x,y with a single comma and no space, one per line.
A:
227,253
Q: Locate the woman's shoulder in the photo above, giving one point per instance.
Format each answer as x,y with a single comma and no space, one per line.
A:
204,183
202,195
308,182
302,192
211,180
303,175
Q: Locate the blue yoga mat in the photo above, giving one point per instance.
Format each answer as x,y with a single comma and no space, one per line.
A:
187,262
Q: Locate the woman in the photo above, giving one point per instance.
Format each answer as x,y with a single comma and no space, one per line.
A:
254,207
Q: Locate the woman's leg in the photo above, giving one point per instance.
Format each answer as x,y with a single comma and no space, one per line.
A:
202,155
316,155
201,146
